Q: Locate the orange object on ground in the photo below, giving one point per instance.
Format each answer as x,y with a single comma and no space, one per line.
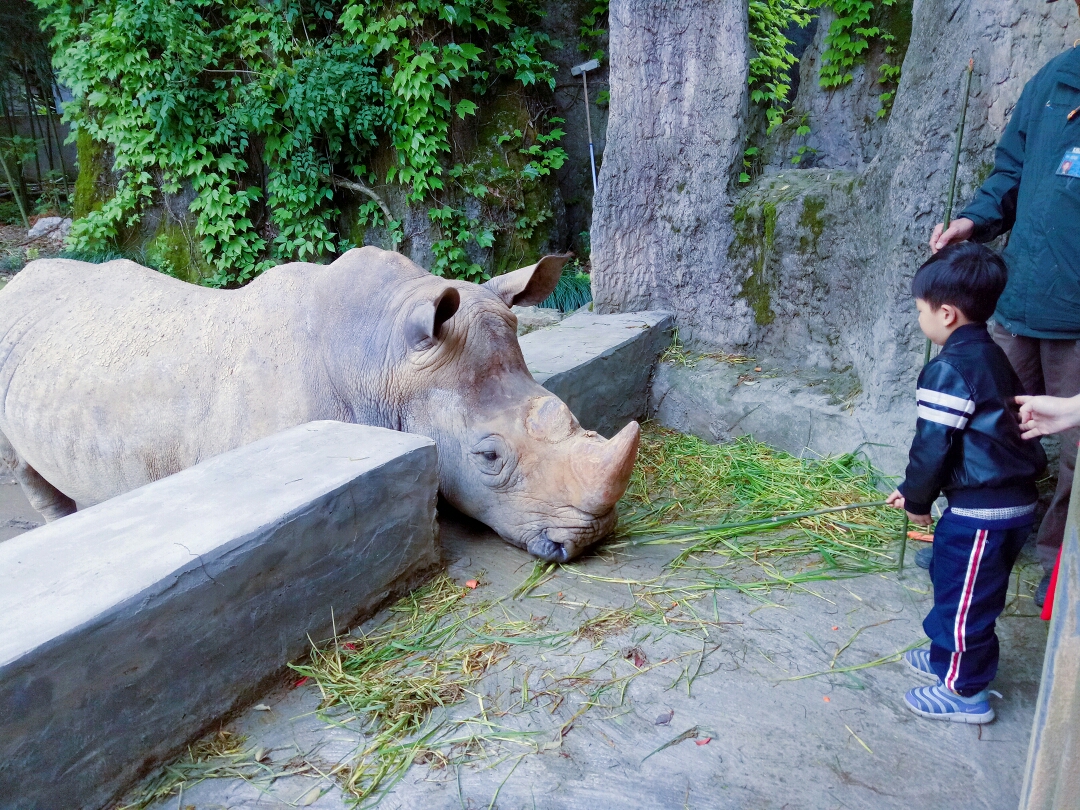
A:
1048,605
923,536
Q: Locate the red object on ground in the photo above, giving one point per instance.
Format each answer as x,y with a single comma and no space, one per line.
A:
1048,605
472,584
706,741
300,682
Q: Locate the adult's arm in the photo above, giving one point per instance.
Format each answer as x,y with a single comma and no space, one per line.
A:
993,210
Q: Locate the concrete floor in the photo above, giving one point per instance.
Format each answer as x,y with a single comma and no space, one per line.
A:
834,741
16,513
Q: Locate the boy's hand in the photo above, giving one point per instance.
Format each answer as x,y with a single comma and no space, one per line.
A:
896,501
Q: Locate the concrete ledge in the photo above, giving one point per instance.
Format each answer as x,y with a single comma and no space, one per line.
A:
600,365
131,626
713,402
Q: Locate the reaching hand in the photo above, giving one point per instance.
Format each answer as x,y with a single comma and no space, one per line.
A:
959,231
1041,416
896,501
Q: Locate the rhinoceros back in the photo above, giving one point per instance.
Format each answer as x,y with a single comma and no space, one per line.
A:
114,375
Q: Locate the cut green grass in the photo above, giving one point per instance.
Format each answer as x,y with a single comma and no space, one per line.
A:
750,500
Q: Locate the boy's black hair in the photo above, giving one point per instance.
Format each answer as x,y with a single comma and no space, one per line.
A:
965,275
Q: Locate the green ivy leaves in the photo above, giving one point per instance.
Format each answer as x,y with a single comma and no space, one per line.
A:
254,106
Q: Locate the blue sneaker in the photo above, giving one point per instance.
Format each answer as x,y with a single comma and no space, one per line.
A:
939,703
919,660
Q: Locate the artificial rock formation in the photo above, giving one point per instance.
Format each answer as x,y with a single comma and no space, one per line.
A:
662,213
810,266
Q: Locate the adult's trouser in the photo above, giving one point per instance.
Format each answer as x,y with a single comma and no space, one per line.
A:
970,573
1048,367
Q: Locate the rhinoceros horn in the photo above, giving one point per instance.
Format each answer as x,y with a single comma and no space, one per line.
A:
602,469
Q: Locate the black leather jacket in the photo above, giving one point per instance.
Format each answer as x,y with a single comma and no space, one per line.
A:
967,441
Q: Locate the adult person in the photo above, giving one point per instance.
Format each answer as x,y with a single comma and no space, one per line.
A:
1034,191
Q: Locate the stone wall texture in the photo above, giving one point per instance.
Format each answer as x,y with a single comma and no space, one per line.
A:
809,266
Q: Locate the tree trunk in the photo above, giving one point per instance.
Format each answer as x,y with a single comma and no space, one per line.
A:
662,224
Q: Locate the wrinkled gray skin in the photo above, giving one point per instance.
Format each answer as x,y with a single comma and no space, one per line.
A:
114,375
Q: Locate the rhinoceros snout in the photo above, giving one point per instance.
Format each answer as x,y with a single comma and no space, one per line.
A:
547,549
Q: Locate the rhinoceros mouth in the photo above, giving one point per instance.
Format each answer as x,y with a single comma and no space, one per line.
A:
562,544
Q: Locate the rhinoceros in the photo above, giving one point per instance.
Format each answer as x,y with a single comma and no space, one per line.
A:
115,375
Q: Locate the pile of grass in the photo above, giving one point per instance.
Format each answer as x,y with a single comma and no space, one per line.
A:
688,491
224,755
435,645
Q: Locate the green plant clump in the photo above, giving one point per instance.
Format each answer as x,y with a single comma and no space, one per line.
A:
847,42
858,22
266,111
573,291
772,58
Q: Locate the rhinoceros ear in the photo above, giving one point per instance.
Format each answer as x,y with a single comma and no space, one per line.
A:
424,325
530,285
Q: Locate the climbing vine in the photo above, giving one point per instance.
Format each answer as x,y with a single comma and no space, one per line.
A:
265,115
858,24
848,39
772,59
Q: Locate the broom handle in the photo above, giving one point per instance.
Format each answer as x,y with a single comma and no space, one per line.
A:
948,220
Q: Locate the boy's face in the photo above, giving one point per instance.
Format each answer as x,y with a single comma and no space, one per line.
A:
938,324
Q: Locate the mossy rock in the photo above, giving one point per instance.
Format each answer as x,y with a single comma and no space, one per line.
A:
93,186
526,217
173,253
778,216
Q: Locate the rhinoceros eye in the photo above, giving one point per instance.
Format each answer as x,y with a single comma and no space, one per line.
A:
490,455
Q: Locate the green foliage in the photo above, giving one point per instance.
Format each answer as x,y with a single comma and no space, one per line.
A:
573,291
253,107
771,60
857,24
593,29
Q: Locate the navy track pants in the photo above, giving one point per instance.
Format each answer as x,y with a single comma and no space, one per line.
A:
970,572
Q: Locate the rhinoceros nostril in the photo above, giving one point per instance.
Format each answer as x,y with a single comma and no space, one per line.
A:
546,549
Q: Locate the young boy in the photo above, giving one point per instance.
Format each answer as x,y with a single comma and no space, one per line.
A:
967,443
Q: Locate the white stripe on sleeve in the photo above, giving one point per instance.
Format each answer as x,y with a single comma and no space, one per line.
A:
948,400
953,420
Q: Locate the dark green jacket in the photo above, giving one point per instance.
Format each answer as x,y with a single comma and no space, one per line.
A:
1025,193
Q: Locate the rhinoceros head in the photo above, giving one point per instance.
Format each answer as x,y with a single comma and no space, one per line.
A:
511,454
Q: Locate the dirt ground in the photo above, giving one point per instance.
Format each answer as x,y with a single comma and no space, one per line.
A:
757,732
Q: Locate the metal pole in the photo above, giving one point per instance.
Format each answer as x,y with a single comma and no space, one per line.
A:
583,69
588,126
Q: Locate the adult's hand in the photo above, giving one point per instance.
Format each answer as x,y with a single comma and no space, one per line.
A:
959,231
1041,416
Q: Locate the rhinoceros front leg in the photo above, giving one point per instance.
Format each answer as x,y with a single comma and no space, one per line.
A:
43,496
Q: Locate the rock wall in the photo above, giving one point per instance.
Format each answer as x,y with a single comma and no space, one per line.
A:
662,220
810,266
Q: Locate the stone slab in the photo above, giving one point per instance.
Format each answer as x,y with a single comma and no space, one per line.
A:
717,401
600,365
131,626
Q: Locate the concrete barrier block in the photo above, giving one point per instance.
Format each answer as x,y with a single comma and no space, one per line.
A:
130,627
599,365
